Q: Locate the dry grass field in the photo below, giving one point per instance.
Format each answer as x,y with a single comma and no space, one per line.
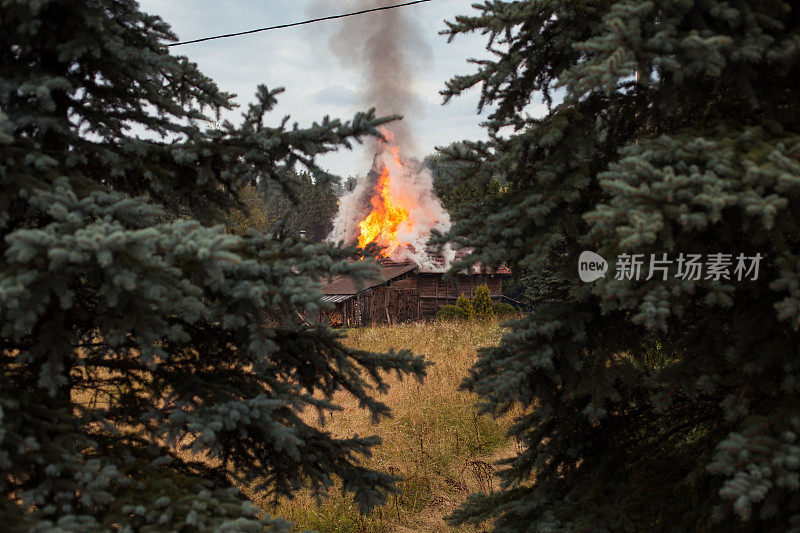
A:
436,440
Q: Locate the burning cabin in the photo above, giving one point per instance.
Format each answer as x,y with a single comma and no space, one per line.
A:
395,207
404,291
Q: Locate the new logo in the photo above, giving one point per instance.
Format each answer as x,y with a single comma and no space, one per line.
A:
591,266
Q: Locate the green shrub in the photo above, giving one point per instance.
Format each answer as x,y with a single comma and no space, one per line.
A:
450,312
482,302
465,304
502,309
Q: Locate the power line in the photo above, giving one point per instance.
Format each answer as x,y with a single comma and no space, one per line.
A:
279,26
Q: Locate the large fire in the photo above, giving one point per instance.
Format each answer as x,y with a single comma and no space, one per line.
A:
393,207
388,214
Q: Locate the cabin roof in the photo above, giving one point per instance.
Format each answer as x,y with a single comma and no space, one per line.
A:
389,270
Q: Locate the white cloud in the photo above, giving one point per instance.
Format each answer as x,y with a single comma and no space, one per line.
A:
337,95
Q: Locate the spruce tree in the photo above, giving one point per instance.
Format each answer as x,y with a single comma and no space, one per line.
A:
150,358
673,127
311,210
455,194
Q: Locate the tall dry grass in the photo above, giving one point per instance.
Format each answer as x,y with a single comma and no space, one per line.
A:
436,440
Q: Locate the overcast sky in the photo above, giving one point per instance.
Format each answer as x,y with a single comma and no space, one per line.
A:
316,81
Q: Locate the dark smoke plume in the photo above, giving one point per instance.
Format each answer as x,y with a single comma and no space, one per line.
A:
388,49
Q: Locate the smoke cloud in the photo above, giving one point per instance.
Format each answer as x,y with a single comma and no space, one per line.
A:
387,48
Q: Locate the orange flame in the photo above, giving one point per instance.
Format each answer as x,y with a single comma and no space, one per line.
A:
388,213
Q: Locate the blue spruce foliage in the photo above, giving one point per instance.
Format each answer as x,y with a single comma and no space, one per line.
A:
673,127
150,359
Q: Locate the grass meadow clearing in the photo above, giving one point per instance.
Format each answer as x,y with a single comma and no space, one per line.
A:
436,440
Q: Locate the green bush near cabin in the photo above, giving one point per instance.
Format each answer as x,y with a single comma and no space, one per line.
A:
479,306
451,312
502,309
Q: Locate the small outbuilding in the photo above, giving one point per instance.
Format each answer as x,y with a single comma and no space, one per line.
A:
404,291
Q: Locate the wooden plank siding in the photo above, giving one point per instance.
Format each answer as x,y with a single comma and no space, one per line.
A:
388,305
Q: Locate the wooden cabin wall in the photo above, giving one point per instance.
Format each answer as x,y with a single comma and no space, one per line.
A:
382,305
429,288
350,313
495,284
403,304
